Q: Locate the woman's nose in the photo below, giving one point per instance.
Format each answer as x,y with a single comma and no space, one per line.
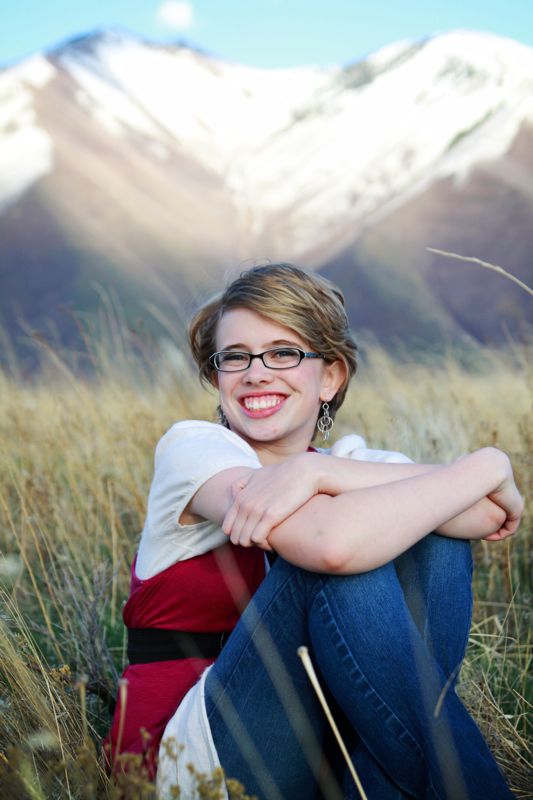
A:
257,372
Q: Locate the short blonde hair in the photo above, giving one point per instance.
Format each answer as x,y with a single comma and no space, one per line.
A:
305,302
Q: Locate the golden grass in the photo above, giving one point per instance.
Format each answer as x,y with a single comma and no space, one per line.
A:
75,468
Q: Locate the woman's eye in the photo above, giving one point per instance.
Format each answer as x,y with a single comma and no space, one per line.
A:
284,354
233,358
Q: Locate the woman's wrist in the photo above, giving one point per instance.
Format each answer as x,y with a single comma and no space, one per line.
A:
494,466
325,471
312,468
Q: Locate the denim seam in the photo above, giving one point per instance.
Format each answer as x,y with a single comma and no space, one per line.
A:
358,674
251,632
467,634
361,679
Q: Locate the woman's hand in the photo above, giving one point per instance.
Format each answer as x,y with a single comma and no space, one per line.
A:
509,499
267,497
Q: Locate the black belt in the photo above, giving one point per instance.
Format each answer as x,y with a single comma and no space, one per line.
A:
146,645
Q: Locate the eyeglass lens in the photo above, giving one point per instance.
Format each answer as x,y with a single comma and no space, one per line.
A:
279,358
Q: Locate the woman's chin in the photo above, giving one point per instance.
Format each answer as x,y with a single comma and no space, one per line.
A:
260,430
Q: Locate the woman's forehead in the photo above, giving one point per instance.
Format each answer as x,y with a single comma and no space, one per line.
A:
242,327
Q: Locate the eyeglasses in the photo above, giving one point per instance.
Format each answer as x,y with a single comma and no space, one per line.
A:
278,358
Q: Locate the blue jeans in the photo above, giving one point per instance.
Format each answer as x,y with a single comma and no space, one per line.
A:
387,645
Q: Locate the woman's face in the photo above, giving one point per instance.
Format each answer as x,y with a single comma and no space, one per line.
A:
275,411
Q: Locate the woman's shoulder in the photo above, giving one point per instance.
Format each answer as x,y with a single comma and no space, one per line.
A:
195,432
354,446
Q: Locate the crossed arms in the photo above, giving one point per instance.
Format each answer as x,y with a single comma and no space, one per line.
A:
340,516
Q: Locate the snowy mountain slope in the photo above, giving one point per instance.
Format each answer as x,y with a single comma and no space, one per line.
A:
211,108
361,152
155,169
26,149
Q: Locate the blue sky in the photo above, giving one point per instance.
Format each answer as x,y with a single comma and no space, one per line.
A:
265,33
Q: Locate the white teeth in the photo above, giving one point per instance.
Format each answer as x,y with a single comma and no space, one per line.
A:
258,403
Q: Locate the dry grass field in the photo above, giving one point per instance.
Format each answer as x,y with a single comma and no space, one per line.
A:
75,468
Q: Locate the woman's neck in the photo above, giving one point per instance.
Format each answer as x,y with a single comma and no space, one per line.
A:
275,452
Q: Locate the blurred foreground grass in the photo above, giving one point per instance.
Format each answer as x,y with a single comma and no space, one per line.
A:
75,469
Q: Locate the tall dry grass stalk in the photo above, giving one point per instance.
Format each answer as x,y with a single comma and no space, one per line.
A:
484,264
75,468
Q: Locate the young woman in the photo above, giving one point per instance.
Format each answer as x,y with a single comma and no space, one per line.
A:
373,572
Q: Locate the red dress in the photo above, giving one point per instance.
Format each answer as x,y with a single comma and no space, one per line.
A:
206,593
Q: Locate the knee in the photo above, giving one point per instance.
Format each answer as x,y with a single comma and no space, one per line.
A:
444,559
368,586
448,550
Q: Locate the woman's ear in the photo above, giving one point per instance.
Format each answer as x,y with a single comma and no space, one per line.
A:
334,377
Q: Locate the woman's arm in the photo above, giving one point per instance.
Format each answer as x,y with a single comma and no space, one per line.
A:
270,495
357,530
361,530
482,519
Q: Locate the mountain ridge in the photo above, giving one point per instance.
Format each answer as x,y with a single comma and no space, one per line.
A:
157,170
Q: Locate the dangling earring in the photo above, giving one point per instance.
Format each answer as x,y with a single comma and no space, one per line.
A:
325,422
222,417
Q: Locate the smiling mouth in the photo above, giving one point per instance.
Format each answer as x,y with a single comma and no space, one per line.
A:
263,402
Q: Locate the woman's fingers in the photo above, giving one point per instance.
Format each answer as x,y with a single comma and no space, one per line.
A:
249,523
229,519
509,528
508,497
267,497
240,529
256,528
250,518
499,536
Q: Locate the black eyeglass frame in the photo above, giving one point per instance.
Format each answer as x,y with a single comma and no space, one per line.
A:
251,356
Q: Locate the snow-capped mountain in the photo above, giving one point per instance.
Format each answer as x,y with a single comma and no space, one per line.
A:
154,168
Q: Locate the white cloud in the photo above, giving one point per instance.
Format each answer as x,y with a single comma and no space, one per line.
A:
176,15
